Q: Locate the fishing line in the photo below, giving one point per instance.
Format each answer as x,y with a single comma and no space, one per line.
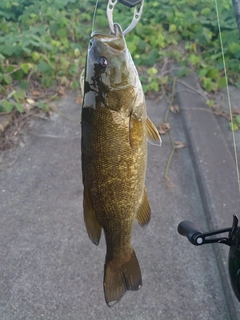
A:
228,96
94,15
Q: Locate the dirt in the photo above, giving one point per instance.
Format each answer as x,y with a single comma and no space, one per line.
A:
12,126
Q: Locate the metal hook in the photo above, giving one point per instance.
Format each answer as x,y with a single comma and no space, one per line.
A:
136,16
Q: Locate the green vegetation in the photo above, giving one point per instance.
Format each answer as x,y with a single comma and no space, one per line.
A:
45,41
235,124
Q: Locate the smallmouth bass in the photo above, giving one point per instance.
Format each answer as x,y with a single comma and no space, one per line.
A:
115,129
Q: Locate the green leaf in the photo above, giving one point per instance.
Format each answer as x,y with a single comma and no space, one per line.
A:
132,47
18,74
62,33
76,52
43,106
221,83
216,56
205,11
152,57
10,69
152,71
19,107
27,50
23,84
19,95
202,73
208,84
7,78
8,106
213,73
40,105
237,119
172,28
234,47
44,67
194,59
154,85
36,56
210,103
24,67
233,126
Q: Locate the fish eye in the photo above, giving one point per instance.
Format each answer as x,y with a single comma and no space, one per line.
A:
102,61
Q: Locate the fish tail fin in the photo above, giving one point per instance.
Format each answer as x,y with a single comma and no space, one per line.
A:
120,275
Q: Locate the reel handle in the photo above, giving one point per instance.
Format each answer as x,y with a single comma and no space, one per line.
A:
189,230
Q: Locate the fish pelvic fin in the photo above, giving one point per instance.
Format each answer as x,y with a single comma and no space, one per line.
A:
153,134
144,210
93,227
120,275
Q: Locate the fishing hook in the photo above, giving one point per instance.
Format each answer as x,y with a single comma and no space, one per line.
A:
136,16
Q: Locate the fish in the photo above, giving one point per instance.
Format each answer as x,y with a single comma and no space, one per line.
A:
115,129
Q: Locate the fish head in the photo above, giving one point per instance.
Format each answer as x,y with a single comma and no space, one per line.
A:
110,71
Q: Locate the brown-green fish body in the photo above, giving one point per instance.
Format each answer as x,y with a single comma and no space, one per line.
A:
115,128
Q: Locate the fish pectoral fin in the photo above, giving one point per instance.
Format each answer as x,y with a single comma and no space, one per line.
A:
93,227
144,210
152,133
136,130
120,275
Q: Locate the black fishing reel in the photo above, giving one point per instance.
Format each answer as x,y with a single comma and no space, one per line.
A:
188,229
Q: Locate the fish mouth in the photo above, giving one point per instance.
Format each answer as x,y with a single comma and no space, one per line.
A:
115,41
118,32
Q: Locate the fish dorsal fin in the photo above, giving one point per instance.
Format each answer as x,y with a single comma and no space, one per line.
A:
152,133
144,210
93,227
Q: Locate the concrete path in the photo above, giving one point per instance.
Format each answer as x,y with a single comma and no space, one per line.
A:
51,270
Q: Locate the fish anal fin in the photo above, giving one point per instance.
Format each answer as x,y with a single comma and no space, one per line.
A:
152,133
120,275
93,227
144,210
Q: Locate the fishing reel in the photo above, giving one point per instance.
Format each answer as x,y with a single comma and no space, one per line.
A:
188,229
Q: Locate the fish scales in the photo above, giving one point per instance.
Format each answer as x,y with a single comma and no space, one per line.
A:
114,155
